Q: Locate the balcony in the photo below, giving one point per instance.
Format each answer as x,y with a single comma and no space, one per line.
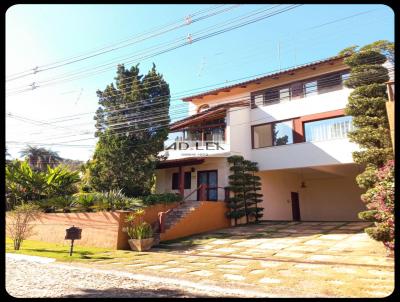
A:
180,148
306,154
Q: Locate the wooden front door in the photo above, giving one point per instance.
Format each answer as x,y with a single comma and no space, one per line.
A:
210,179
295,206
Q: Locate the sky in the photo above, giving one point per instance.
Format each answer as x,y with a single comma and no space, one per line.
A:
58,113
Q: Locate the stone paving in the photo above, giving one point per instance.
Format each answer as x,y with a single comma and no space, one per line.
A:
296,259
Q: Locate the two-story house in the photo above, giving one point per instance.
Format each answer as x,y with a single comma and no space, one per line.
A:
292,123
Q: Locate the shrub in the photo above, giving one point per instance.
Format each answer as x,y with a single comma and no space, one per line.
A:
23,184
84,201
164,198
380,203
54,204
137,228
18,223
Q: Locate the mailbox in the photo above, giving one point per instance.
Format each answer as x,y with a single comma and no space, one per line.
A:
73,233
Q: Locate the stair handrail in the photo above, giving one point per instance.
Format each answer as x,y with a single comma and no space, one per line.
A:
195,190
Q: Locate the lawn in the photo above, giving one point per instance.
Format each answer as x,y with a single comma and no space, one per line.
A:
61,252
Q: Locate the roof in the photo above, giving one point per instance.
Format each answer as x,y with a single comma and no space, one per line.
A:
173,163
271,75
213,112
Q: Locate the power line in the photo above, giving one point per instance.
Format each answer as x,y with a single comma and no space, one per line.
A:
182,44
113,47
137,106
155,128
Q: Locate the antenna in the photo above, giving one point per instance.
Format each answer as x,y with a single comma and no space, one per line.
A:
279,55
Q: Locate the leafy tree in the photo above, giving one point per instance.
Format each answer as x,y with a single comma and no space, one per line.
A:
132,125
244,184
382,46
24,184
39,158
73,165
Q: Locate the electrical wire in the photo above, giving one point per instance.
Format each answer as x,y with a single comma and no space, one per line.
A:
155,128
130,109
164,28
185,43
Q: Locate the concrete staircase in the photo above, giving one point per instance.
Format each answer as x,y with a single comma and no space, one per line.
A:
179,213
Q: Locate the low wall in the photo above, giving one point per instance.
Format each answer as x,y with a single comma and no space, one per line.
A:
99,229
209,216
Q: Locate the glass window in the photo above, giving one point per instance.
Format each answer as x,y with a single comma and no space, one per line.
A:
187,180
310,88
259,100
284,94
271,96
273,134
262,136
283,133
327,129
329,83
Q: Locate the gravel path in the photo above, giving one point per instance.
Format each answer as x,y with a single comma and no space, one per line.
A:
28,277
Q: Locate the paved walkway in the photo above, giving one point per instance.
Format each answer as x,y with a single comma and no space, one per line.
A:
307,259
280,258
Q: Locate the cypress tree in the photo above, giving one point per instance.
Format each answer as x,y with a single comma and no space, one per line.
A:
132,125
254,198
367,106
244,184
236,203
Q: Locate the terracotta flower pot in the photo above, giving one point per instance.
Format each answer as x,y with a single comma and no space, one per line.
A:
141,244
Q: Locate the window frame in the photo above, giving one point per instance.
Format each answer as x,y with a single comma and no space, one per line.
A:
317,120
290,84
273,136
187,185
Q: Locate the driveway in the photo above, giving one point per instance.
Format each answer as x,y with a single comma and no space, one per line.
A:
285,259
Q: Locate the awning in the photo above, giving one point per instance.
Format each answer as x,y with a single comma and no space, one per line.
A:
180,162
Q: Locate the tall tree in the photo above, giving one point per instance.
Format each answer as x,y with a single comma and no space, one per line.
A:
40,158
132,125
367,106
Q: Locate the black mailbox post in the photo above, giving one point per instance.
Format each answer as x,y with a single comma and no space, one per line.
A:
72,234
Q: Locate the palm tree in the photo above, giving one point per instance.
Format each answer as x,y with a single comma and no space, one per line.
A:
39,158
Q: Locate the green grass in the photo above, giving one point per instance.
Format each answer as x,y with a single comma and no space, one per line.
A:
61,252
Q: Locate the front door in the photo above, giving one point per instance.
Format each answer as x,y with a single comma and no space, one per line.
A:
210,179
295,206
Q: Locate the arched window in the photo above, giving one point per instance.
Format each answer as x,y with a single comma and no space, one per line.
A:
203,107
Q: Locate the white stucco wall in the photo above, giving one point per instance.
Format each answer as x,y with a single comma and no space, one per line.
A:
296,108
164,177
238,131
330,198
276,188
307,154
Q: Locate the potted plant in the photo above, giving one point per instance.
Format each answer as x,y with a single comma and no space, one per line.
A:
140,232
